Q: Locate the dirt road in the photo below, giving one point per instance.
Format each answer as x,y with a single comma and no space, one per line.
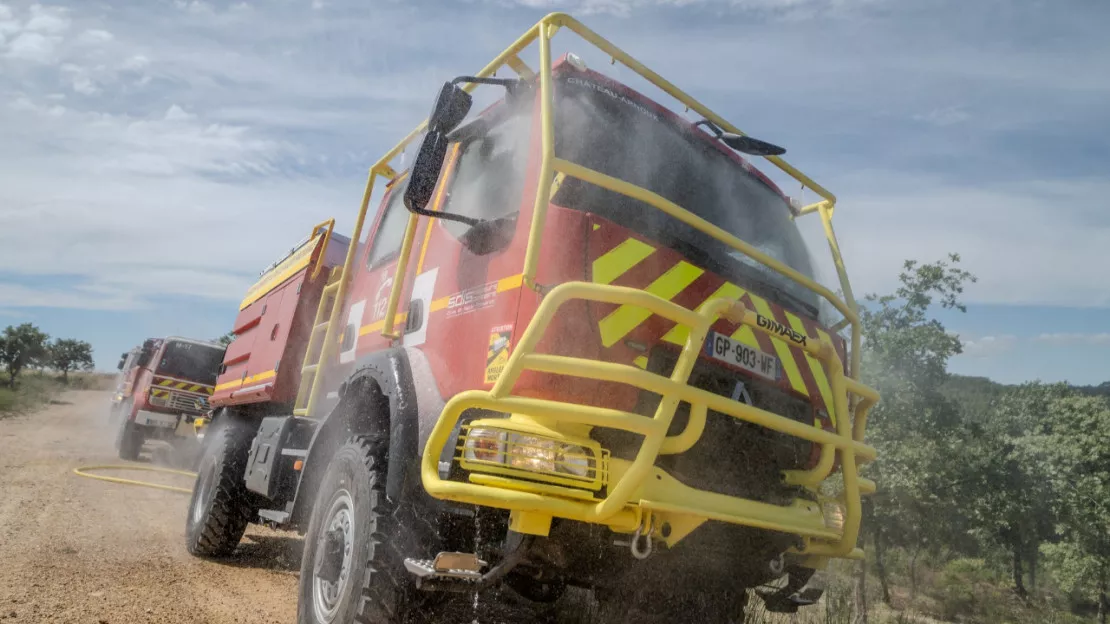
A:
79,550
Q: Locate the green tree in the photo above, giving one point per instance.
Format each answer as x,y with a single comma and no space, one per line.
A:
1076,450
916,428
21,346
225,339
66,354
1012,500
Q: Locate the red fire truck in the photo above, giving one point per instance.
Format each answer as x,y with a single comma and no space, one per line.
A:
582,346
163,385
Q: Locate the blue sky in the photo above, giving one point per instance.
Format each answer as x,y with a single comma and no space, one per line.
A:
156,155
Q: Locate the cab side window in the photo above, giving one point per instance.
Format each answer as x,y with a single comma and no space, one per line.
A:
387,240
488,182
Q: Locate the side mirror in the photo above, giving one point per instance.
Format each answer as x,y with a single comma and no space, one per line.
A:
753,147
425,171
122,359
450,108
146,353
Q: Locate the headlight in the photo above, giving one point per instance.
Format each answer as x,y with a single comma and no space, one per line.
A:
529,453
485,445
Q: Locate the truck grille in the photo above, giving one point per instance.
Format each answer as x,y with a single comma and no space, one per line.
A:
733,457
187,402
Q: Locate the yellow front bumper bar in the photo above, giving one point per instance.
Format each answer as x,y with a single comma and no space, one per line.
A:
638,488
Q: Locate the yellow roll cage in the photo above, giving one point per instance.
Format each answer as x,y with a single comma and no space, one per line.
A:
638,493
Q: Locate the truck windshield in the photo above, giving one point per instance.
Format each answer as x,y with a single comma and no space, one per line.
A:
191,362
601,128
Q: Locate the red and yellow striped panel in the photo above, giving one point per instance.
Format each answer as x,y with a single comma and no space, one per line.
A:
664,273
187,386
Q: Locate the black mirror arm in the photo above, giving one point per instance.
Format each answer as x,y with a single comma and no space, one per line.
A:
510,84
471,221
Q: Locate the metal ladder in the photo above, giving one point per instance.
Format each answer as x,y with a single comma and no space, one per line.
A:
314,352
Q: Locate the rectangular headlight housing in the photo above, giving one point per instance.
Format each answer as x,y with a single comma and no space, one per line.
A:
573,462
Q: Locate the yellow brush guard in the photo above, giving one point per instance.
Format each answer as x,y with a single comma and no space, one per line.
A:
638,488
639,494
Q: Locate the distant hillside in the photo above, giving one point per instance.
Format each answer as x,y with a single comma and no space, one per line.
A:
974,394
1103,389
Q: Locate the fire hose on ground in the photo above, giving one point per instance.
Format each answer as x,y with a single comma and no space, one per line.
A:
83,471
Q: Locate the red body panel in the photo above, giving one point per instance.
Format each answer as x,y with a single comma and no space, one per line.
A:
263,362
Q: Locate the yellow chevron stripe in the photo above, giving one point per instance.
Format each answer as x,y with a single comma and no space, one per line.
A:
816,367
165,382
618,260
181,385
829,402
783,351
641,361
624,319
679,333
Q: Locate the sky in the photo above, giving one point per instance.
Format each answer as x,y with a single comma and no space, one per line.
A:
156,155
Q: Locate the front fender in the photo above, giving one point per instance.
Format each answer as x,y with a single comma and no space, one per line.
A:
380,398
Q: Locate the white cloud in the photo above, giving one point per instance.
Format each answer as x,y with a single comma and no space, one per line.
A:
176,113
946,116
135,62
1028,242
52,20
95,36
84,85
207,125
988,346
32,46
19,296
1063,339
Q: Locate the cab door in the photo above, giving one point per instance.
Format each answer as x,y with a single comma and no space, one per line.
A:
373,280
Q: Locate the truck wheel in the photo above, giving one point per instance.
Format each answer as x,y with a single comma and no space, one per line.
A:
352,569
220,508
130,439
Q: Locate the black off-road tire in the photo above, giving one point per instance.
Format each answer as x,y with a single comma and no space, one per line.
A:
130,438
221,506
371,582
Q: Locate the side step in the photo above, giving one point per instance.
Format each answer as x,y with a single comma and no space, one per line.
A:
462,572
450,566
273,516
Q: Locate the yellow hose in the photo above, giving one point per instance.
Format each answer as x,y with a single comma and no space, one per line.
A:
81,472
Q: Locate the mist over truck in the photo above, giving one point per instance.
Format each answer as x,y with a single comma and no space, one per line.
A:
581,349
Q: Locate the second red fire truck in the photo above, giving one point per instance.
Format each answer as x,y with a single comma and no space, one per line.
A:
163,385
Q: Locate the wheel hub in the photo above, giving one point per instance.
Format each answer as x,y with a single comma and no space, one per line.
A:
332,567
330,563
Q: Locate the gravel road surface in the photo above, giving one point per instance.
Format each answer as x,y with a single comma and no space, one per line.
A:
79,550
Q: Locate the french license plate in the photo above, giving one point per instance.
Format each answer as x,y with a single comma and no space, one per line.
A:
724,349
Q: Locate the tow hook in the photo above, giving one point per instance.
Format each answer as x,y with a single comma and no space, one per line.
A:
643,552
